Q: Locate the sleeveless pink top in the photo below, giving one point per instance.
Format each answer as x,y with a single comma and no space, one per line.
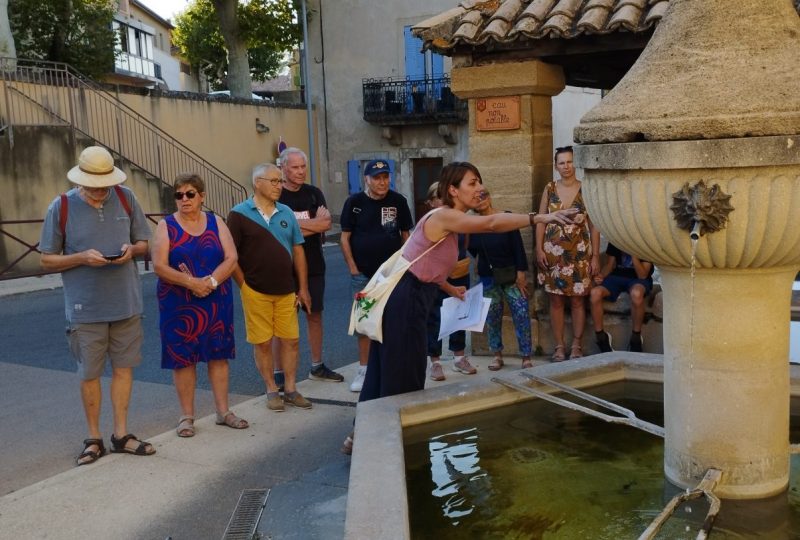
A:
436,265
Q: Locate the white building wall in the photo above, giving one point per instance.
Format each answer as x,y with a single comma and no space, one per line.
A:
170,69
568,109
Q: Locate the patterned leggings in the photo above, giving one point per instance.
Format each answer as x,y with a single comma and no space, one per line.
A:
518,306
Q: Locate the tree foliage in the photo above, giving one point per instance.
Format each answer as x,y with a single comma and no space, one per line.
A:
77,32
268,28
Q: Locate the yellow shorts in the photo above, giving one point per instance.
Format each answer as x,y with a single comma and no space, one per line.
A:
267,315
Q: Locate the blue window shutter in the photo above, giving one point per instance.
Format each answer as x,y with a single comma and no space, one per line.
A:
353,176
437,61
391,174
415,59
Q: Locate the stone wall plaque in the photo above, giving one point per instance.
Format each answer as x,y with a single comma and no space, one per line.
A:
494,114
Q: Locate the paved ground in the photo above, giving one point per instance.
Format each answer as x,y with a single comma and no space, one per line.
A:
190,488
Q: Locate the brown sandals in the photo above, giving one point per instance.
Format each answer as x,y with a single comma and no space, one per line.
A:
558,354
526,363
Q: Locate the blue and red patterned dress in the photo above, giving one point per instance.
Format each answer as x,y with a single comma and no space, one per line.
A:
195,329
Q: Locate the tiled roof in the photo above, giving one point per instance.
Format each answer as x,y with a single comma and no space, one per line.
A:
476,22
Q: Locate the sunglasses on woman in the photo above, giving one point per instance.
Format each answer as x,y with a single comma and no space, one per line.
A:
189,195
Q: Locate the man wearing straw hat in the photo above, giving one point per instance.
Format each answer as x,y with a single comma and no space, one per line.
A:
91,235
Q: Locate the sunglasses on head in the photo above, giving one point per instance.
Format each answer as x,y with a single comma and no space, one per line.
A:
189,195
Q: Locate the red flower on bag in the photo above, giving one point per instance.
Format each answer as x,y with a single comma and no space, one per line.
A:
364,304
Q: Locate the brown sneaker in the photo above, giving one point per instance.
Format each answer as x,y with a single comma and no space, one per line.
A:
275,404
437,373
296,400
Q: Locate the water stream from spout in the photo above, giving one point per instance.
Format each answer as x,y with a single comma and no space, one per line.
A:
694,240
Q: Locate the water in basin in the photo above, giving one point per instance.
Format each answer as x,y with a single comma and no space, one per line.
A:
537,470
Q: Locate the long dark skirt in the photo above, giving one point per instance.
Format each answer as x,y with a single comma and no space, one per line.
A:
398,364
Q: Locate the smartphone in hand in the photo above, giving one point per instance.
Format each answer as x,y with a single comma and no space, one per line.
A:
114,256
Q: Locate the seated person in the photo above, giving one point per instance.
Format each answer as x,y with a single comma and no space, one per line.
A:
621,272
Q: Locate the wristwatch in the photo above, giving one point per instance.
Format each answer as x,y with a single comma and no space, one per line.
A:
213,281
532,215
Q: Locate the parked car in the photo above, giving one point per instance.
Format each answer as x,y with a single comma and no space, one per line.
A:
227,93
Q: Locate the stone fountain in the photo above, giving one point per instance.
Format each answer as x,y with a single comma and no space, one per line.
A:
693,162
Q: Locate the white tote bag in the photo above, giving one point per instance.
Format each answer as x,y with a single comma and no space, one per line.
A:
366,316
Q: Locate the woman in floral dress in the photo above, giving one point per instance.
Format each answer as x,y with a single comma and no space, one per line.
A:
567,255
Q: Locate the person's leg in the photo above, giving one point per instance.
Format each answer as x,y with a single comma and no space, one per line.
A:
121,385
434,344
357,284
596,298
218,377
277,366
637,293
578,313
262,352
125,351
494,319
520,315
557,324
91,397
185,380
287,328
88,344
314,320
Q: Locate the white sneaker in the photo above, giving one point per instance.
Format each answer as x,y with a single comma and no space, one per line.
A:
358,382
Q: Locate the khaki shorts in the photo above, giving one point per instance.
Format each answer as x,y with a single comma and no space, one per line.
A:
119,341
267,315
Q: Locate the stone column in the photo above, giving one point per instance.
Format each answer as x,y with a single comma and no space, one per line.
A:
515,164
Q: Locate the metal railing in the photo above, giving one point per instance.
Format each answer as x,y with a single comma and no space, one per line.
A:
41,93
31,248
390,101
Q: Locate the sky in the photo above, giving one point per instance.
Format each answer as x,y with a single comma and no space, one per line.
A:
166,8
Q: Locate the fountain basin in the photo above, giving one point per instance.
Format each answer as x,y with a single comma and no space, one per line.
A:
377,506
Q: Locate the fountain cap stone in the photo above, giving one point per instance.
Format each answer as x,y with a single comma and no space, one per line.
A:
690,81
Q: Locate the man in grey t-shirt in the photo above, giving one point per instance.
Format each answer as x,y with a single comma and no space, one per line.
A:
91,235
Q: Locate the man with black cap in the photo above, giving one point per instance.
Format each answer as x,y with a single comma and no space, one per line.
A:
375,223
91,235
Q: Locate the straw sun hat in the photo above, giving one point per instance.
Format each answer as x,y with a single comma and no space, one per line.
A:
95,169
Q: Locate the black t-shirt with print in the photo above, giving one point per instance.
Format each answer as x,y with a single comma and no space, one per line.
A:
375,227
304,203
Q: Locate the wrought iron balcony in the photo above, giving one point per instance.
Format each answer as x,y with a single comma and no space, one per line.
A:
400,102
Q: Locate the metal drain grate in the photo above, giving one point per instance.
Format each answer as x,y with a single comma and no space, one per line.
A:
247,514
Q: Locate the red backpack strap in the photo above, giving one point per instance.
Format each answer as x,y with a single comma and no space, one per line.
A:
62,216
122,199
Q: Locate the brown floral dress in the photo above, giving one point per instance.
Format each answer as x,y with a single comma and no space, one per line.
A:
568,249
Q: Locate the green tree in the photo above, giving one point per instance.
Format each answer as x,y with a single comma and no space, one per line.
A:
77,32
267,29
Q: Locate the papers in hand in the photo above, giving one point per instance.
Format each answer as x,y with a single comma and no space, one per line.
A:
469,314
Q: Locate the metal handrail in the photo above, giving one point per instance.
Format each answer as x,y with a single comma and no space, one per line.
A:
31,249
53,93
628,417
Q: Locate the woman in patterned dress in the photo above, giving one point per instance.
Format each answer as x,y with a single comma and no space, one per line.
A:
193,256
567,255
